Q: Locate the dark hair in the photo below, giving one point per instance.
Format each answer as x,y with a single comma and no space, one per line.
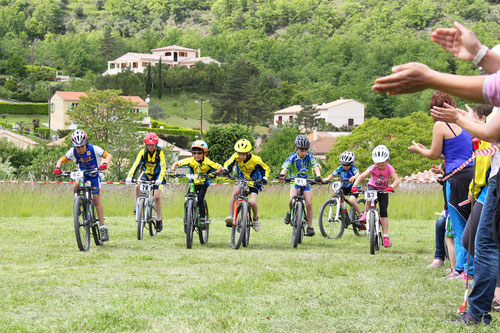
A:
483,110
439,98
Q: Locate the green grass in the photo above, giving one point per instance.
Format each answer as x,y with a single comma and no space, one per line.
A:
157,285
27,118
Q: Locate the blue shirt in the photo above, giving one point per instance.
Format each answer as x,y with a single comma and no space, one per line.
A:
345,174
90,159
297,165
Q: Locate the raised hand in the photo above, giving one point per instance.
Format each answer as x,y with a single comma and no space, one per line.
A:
459,41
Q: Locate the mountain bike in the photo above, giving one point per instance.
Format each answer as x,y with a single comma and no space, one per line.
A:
242,216
192,220
84,211
373,220
145,208
333,215
298,216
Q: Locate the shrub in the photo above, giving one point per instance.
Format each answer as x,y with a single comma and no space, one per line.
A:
24,108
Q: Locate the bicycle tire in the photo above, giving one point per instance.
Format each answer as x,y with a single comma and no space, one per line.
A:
141,217
203,233
298,211
246,239
96,232
82,227
371,225
239,229
329,227
353,215
151,220
190,223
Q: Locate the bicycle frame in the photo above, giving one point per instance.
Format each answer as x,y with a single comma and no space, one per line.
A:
147,192
242,196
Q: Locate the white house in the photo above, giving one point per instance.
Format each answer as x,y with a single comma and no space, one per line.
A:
17,140
342,112
62,101
172,56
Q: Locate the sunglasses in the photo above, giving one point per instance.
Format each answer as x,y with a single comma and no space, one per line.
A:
197,152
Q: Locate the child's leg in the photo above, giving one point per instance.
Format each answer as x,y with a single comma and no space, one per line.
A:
308,197
201,191
233,199
383,202
252,201
157,195
352,201
293,192
98,208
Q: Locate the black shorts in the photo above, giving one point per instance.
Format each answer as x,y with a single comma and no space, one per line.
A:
253,190
347,192
383,201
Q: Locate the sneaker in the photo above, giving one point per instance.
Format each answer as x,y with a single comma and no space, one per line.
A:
310,232
452,274
362,218
159,225
256,225
229,221
463,277
436,263
134,212
287,218
387,242
495,305
362,225
467,319
104,233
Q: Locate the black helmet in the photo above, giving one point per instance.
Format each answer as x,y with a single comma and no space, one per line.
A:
301,141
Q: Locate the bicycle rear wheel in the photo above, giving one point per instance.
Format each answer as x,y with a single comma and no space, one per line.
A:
96,232
246,239
330,226
81,223
353,215
203,233
373,232
141,217
190,213
152,220
239,229
298,212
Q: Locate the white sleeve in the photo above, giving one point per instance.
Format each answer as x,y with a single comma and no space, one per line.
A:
69,155
98,151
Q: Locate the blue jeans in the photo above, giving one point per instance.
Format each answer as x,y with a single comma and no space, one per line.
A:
440,252
486,260
458,226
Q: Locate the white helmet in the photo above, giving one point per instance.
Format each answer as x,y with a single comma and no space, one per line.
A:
380,154
347,158
79,138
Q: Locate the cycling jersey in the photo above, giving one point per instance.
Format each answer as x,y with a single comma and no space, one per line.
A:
300,166
152,164
89,159
203,166
345,174
253,167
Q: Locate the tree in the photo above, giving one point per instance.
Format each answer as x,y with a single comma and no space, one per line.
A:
221,139
109,120
280,145
149,82
160,82
157,112
307,118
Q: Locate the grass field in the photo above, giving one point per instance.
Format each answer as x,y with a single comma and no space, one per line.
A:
157,285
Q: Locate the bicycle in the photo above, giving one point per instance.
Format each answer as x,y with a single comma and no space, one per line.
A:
192,221
333,215
373,220
298,217
145,208
84,210
242,216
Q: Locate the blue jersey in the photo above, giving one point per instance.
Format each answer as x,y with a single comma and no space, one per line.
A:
90,159
345,174
297,165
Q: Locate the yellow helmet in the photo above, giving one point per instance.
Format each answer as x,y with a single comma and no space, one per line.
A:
243,146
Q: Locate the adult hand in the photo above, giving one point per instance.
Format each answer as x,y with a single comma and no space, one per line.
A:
57,171
459,41
416,147
128,180
436,170
103,166
407,78
448,113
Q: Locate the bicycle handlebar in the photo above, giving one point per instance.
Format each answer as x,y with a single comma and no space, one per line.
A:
310,180
87,171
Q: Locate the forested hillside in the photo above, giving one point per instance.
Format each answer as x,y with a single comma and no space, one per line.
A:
301,50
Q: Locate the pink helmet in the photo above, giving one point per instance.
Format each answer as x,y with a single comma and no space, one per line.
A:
151,138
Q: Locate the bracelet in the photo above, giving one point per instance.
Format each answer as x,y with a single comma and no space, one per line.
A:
480,55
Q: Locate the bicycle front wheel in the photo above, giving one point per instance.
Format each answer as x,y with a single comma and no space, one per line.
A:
331,219
96,232
298,212
152,219
373,232
203,233
246,239
190,213
141,217
239,229
82,225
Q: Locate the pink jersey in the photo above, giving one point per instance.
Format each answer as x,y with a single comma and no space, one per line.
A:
380,179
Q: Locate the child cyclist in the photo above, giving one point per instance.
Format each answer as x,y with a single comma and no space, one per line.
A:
248,166
381,172
348,171
299,164
199,163
151,162
88,157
